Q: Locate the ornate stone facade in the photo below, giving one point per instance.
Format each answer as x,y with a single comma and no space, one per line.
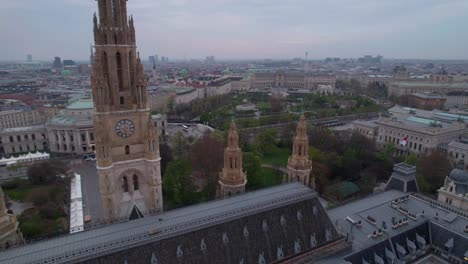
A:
127,145
299,165
455,190
10,235
232,179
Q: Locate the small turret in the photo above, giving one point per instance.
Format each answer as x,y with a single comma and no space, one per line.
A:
232,179
299,165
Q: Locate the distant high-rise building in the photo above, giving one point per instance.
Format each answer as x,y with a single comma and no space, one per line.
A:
29,58
152,60
68,63
232,179
210,60
57,63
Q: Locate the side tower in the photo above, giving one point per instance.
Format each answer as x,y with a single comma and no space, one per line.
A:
10,235
299,165
232,179
127,146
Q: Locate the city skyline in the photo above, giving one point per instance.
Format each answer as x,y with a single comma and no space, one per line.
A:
245,29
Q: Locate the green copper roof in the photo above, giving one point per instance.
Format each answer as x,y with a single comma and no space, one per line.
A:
422,120
453,116
429,84
81,104
63,120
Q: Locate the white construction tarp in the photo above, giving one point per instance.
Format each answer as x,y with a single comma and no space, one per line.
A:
76,205
24,158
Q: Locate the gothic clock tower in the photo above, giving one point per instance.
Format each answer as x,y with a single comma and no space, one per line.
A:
127,146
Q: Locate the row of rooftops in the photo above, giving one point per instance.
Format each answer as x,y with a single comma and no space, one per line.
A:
376,218
423,121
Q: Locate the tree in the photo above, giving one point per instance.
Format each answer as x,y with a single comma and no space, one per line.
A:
321,172
177,183
166,156
434,168
207,159
411,159
180,146
46,172
276,104
286,136
266,141
253,166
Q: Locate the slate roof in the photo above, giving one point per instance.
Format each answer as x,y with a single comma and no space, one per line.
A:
430,221
254,226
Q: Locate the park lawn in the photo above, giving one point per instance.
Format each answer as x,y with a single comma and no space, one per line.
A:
21,191
277,156
271,177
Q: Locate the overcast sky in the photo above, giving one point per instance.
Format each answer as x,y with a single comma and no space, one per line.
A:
236,29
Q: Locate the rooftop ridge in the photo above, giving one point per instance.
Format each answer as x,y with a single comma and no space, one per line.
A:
441,205
155,228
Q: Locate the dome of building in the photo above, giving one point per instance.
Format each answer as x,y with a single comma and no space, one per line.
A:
459,176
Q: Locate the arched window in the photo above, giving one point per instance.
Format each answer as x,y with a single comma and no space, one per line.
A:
125,184
135,183
127,150
118,58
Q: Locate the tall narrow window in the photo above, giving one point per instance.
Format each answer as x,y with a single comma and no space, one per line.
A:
118,58
122,101
127,150
105,66
132,68
135,183
125,184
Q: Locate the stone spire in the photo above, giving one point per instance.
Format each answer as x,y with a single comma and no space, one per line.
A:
232,179
10,235
299,165
127,142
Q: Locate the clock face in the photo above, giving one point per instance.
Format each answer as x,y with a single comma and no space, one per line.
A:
124,128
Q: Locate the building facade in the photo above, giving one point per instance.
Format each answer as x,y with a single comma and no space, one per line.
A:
127,144
404,88
456,100
232,179
458,153
71,132
455,190
20,118
366,128
290,80
23,140
10,235
299,164
426,101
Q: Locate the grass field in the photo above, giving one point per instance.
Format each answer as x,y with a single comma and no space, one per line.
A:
278,157
271,177
18,189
